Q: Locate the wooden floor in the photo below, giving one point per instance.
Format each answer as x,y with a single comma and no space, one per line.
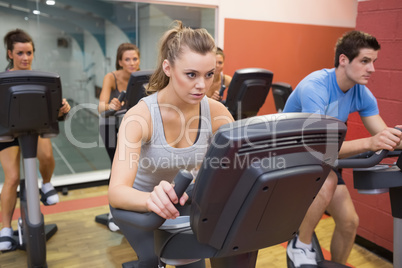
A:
81,242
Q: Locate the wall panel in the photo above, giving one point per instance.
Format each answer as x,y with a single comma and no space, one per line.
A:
382,19
290,51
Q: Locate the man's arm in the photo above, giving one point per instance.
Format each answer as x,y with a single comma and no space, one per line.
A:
382,137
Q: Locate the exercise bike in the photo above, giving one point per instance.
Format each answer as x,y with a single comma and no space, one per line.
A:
258,178
382,178
371,177
132,95
30,102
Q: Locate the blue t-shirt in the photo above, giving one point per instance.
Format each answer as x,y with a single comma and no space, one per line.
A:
319,93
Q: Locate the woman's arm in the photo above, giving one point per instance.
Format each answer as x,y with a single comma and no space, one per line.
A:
135,129
228,79
108,85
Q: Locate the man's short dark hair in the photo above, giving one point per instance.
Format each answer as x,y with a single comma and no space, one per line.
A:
351,43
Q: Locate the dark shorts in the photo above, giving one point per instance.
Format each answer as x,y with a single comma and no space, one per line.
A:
338,173
5,145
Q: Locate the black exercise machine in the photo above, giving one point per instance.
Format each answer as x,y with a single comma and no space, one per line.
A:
380,179
134,92
30,102
281,92
257,180
247,92
136,87
371,177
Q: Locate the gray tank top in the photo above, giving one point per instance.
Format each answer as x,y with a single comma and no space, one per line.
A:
159,161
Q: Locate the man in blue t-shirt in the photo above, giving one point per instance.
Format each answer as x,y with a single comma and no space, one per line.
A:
338,92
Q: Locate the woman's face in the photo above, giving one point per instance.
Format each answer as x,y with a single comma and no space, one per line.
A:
130,61
219,64
22,56
191,75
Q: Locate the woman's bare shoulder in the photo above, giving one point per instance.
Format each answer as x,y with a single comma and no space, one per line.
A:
109,76
228,79
220,115
136,118
140,108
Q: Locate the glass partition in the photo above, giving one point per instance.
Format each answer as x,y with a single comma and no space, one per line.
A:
78,40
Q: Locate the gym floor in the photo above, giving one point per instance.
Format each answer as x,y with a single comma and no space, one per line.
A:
81,242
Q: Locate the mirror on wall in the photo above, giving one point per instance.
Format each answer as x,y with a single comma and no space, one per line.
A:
78,40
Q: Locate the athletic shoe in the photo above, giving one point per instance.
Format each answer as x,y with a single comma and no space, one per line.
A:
6,240
110,223
48,194
300,257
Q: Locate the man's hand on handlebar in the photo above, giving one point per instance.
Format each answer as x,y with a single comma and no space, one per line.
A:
162,200
387,139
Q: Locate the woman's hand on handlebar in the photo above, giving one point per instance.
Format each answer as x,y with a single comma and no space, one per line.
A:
115,104
387,139
162,200
65,108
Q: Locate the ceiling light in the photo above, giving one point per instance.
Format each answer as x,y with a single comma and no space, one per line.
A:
27,10
36,12
50,2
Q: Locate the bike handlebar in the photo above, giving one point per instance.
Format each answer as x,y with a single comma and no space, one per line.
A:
151,221
367,161
111,112
364,160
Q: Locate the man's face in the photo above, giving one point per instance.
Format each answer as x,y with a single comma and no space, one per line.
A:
359,70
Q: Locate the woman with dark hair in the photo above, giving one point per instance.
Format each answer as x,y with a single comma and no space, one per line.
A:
20,53
127,61
221,80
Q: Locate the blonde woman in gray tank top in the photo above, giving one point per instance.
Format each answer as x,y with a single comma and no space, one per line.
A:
165,132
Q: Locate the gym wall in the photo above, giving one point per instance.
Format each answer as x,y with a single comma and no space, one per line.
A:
290,38
291,51
383,19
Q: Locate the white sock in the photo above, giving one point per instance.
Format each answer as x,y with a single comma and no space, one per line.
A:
6,232
300,244
53,199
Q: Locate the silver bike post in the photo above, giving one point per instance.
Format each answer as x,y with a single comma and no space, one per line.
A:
397,242
32,191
